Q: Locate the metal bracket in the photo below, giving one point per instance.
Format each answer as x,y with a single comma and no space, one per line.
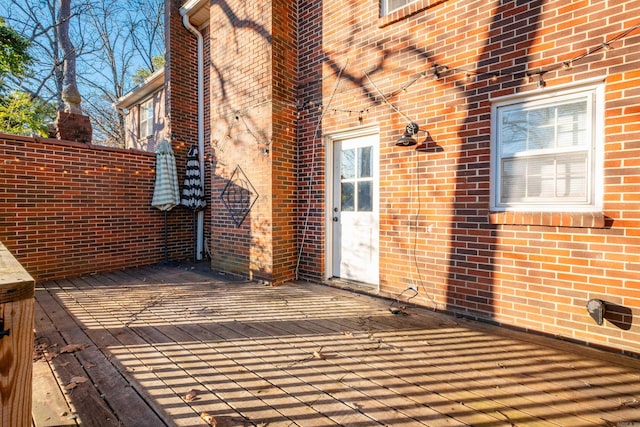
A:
3,333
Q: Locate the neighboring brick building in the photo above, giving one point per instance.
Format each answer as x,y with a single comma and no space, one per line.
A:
143,109
520,201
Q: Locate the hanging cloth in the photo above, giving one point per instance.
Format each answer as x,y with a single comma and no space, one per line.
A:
166,194
193,191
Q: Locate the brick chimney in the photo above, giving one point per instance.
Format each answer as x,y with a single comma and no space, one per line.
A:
73,127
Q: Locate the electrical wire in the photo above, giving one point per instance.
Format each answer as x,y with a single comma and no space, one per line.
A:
312,175
409,121
416,265
438,71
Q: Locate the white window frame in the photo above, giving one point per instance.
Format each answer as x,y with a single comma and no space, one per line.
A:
387,10
146,118
593,91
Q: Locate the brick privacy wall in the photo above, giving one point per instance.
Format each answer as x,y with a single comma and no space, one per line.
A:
241,134
181,84
531,272
68,209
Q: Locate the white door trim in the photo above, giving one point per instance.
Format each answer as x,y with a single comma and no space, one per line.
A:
329,140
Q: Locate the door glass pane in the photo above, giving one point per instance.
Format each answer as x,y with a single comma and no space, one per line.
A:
365,162
365,196
348,197
348,164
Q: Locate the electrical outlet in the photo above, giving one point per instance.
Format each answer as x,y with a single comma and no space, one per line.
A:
414,288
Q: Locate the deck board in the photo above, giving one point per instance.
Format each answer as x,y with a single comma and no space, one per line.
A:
303,354
50,407
87,402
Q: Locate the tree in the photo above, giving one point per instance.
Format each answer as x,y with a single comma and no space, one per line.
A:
20,113
110,40
142,73
14,57
70,93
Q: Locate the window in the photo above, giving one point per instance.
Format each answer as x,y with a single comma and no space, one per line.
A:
356,173
546,151
389,6
146,118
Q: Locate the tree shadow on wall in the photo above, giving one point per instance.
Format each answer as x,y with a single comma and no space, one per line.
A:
236,129
470,259
470,282
234,246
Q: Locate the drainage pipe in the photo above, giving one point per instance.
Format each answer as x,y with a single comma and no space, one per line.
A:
200,219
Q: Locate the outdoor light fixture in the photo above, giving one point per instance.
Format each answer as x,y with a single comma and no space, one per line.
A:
407,139
595,307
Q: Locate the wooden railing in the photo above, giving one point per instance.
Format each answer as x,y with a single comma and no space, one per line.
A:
16,341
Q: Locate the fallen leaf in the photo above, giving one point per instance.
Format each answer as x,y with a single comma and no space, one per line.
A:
191,395
90,365
632,403
62,365
50,356
209,419
79,380
73,347
318,354
71,386
347,334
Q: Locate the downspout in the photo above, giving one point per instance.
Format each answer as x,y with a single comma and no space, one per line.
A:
195,32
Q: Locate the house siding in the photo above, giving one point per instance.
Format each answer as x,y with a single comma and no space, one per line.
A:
132,124
534,271
251,138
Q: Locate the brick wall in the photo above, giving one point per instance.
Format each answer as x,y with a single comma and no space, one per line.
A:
251,84
283,149
240,132
531,271
132,124
181,86
68,208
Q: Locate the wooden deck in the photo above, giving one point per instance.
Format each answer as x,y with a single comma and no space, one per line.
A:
179,346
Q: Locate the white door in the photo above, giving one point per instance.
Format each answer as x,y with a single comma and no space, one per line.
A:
355,209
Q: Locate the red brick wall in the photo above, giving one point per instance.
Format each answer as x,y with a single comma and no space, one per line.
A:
241,131
68,208
251,66
283,147
181,84
534,272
